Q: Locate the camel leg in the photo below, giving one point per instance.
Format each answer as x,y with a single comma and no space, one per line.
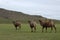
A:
46,29
16,27
51,29
42,29
55,28
19,26
31,29
34,28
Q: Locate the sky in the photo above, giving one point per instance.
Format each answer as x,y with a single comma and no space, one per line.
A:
45,8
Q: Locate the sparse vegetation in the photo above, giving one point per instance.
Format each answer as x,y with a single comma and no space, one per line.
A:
7,16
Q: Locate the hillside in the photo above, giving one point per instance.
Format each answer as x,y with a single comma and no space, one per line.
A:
7,16
13,15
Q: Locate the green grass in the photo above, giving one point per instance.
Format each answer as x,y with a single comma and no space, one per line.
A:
8,32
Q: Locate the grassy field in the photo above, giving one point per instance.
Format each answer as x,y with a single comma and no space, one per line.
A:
8,32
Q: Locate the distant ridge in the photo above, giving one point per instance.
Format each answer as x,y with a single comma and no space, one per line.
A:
14,15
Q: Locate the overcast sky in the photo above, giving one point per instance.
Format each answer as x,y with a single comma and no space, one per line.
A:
46,8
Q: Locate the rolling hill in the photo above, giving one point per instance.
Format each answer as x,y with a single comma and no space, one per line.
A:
7,16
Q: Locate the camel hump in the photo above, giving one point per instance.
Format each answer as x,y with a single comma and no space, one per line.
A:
51,22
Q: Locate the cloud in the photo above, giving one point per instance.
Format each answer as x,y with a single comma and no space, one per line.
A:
46,8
